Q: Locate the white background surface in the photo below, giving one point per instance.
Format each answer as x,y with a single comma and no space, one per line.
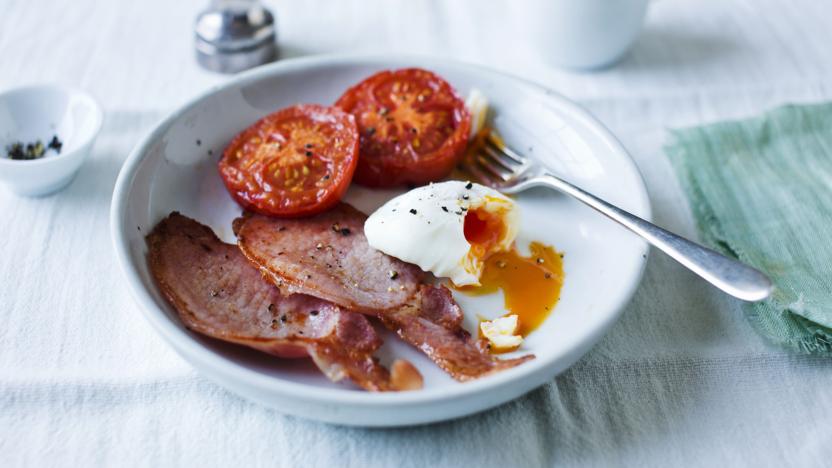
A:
681,379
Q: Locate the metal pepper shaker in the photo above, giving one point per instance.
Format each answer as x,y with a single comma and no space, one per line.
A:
234,35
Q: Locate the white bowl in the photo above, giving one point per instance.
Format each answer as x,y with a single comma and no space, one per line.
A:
174,168
580,34
38,112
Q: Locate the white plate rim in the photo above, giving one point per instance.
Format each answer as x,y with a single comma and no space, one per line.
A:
534,372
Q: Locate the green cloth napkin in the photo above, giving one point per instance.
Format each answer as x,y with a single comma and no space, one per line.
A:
761,191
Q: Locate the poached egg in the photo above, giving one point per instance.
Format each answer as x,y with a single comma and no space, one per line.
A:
448,228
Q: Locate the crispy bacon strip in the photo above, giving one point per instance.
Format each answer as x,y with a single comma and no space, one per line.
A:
327,256
218,293
314,256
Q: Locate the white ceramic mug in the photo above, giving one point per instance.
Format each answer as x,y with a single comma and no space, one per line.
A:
581,34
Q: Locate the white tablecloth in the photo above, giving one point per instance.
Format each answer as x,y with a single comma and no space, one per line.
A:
680,380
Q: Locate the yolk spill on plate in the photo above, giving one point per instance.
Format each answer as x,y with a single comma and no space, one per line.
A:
531,285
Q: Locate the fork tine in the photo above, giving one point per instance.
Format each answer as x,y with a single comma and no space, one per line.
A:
472,167
500,147
492,168
499,159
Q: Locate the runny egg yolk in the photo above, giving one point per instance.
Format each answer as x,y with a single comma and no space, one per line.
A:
531,285
483,230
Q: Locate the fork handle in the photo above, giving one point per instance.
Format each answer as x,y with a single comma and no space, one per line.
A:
727,274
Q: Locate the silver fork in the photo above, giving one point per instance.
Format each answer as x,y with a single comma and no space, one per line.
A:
505,170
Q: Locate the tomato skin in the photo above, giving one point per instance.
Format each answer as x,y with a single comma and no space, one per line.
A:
413,127
296,162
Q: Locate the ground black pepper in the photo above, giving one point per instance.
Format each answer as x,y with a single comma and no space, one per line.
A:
27,151
55,144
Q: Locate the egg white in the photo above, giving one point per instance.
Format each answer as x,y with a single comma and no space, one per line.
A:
501,332
425,226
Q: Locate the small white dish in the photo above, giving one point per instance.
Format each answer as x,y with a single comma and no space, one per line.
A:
38,112
175,168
